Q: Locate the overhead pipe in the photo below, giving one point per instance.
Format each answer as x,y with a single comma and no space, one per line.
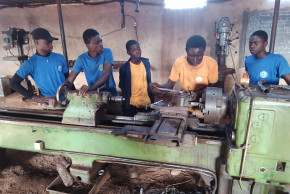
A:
60,20
274,26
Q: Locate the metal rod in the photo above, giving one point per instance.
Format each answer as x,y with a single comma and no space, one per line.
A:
262,87
274,25
169,90
42,113
246,146
60,20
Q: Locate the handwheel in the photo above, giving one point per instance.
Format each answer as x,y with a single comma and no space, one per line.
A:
61,94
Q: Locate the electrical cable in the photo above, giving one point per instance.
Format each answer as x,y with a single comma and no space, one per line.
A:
135,26
237,78
58,34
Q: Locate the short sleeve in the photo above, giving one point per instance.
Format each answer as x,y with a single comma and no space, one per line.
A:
175,74
78,65
109,57
213,71
283,67
25,70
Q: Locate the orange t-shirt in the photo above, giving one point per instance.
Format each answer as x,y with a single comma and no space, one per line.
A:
139,92
194,78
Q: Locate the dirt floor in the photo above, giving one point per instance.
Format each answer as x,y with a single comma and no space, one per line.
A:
27,172
31,173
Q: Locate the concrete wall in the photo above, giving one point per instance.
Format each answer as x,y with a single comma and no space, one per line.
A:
162,33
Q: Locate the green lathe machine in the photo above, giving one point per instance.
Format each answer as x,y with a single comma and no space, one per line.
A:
241,143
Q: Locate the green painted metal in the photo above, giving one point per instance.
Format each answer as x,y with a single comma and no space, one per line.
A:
85,110
90,140
268,139
249,187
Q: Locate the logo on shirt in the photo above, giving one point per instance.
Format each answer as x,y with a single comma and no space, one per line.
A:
101,67
198,79
263,74
59,68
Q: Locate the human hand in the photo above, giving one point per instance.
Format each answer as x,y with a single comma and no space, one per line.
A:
154,87
83,90
40,99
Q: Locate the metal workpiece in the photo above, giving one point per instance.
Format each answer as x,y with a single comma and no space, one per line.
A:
264,89
116,99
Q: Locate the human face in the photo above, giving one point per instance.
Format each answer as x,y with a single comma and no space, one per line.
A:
43,47
195,56
134,52
257,45
96,45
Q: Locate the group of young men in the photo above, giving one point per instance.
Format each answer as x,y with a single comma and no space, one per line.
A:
194,71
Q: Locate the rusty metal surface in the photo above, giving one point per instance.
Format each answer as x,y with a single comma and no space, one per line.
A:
264,89
274,26
275,92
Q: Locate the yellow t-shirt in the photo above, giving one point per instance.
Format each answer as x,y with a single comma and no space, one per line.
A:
194,78
139,93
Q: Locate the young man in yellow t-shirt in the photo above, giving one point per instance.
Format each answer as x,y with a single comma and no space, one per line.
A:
194,71
135,77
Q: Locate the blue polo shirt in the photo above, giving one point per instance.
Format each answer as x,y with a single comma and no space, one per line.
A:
270,68
47,72
93,68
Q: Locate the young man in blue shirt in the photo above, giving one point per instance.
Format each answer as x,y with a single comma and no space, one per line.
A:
97,64
265,65
47,69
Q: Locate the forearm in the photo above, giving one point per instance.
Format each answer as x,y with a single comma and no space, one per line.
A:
71,78
286,77
169,85
103,79
15,84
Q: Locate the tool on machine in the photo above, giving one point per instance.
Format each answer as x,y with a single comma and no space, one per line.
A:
178,119
19,37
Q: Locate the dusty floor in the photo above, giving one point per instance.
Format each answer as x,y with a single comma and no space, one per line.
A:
27,172
31,173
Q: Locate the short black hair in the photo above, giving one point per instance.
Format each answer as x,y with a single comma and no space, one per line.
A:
88,34
262,34
195,41
130,43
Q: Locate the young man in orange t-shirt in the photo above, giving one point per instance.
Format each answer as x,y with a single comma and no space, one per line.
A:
194,71
135,77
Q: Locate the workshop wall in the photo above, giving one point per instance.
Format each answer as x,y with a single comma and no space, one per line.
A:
162,33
